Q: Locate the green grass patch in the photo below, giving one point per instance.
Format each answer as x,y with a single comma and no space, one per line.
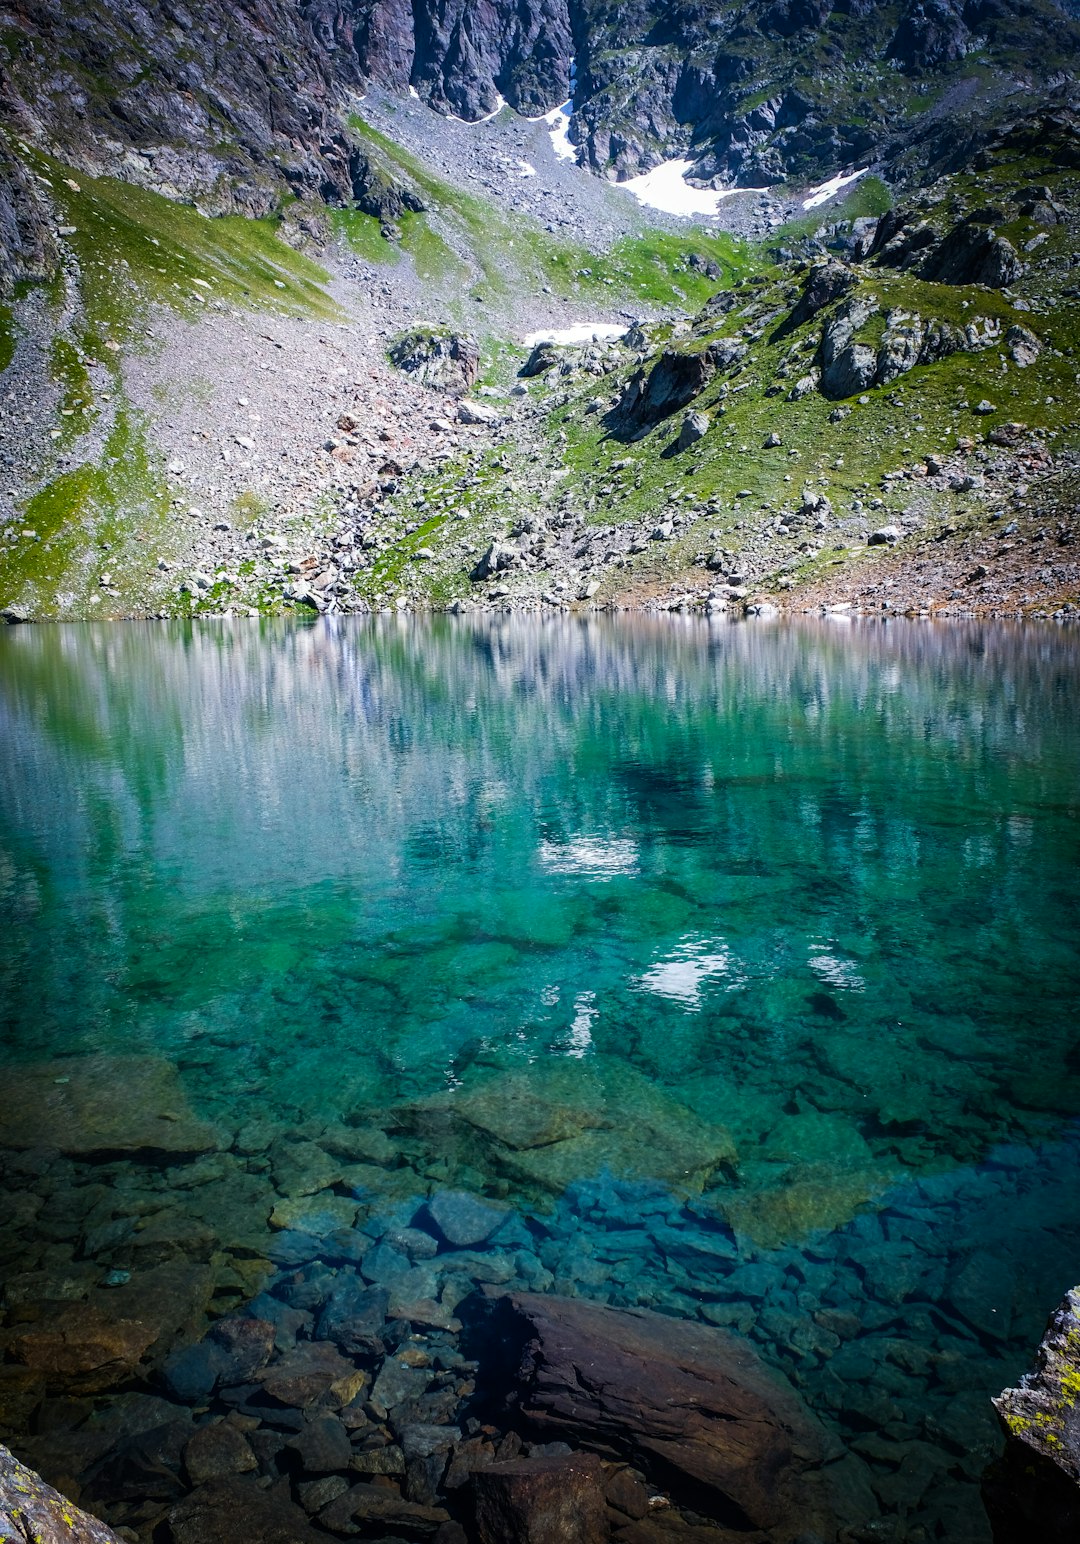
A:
7,337
134,245
362,232
98,518
76,409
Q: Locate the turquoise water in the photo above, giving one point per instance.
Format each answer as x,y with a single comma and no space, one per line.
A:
779,924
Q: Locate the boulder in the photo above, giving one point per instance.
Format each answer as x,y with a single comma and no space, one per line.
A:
1023,346
826,282
972,254
695,426
676,378
852,371
464,1220
545,1132
376,1510
477,413
32,1511
313,1372
498,557
690,1406
92,1345
1033,1491
446,361
13,615
86,1105
558,1500
544,357
218,1450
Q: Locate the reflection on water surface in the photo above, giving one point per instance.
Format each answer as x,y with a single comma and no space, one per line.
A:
778,925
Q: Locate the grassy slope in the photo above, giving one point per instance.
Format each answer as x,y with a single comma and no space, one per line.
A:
728,482
108,513
134,248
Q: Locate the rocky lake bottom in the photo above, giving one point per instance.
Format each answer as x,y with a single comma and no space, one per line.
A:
384,997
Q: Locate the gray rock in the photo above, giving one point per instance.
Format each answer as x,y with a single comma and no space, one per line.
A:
398,1383
447,361
852,371
1023,346
544,357
464,1220
695,426
886,535
1034,1492
13,615
477,413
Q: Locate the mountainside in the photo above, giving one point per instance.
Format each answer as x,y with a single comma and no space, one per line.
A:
389,186
236,105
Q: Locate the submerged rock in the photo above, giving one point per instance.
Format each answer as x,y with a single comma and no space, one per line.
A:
557,1500
225,1510
102,1104
691,1406
462,1219
545,1131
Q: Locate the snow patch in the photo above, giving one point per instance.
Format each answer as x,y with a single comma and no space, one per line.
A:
500,103
826,191
581,332
559,124
525,169
414,93
667,189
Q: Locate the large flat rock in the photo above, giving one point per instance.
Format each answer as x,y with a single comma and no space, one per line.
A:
690,1405
543,1128
101,1104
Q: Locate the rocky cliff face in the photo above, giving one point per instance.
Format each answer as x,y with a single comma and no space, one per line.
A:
233,105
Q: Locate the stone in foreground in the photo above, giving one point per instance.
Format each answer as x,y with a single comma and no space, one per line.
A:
691,1406
1034,1491
32,1511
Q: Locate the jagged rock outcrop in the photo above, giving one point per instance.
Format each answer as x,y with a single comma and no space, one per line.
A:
1033,1492
233,106
690,1405
31,1512
973,253
447,361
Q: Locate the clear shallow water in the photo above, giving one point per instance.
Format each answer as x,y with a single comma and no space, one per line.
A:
775,926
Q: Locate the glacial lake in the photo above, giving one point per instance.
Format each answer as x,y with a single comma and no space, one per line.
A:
740,962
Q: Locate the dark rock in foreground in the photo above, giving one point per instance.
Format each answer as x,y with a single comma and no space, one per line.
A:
690,1405
31,1510
1034,1491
